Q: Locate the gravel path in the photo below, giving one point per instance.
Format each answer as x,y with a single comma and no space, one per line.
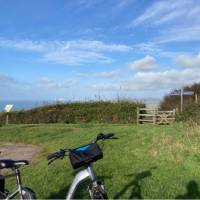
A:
18,151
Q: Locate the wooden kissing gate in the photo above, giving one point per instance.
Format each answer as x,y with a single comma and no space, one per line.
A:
155,116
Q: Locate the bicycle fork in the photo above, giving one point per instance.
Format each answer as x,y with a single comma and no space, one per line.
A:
87,173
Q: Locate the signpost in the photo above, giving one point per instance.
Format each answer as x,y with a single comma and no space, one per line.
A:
7,109
181,92
196,98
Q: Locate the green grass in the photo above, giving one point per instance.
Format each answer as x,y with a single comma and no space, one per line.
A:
146,162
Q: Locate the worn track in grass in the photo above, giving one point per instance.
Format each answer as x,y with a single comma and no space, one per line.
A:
18,151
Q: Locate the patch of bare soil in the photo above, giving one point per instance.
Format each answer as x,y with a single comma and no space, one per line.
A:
18,151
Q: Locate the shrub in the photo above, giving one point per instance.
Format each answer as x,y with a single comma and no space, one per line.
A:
191,113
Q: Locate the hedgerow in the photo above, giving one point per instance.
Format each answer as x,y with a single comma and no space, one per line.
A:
78,112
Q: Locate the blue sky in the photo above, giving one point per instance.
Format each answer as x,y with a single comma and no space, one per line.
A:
82,49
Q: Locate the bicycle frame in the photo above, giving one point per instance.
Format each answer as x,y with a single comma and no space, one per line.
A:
19,185
87,173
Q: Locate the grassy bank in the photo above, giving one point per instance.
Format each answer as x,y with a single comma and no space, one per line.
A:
146,162
80,112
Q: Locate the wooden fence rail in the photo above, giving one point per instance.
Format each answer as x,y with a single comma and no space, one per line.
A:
155,116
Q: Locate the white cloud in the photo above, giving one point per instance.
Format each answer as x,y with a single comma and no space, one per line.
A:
103,75
188,61
147,47
162,81
85,4
68,52
76,57
124,3
154,48
109,74
95,45
105,87
168,79
38,46
7,80
9,83
156,81
177,20
179,34
45,82
169,11
147,63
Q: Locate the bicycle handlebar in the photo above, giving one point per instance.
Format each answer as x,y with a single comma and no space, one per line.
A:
102,136
62,152
59,154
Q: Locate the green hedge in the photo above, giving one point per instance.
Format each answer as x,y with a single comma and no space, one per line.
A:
81,112
191,113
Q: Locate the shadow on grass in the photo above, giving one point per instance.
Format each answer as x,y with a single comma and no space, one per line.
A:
61,194
134,185
81,191
192,191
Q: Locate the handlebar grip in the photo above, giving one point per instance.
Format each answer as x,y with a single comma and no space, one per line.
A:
58,154
102,136
109,135
53,155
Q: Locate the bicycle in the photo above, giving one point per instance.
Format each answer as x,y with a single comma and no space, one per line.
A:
23,192
84,156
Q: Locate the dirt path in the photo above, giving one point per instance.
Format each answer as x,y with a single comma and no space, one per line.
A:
18,151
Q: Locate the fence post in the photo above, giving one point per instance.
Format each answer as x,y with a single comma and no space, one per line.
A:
154,116
174,112
138,112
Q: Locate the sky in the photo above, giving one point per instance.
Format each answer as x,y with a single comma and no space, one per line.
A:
90,49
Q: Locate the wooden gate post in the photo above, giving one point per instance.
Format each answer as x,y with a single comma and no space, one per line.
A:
154,116
174,112
138,116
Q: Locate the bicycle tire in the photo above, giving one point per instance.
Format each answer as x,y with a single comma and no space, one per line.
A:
28,193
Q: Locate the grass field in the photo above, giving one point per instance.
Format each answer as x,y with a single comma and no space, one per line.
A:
146,162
